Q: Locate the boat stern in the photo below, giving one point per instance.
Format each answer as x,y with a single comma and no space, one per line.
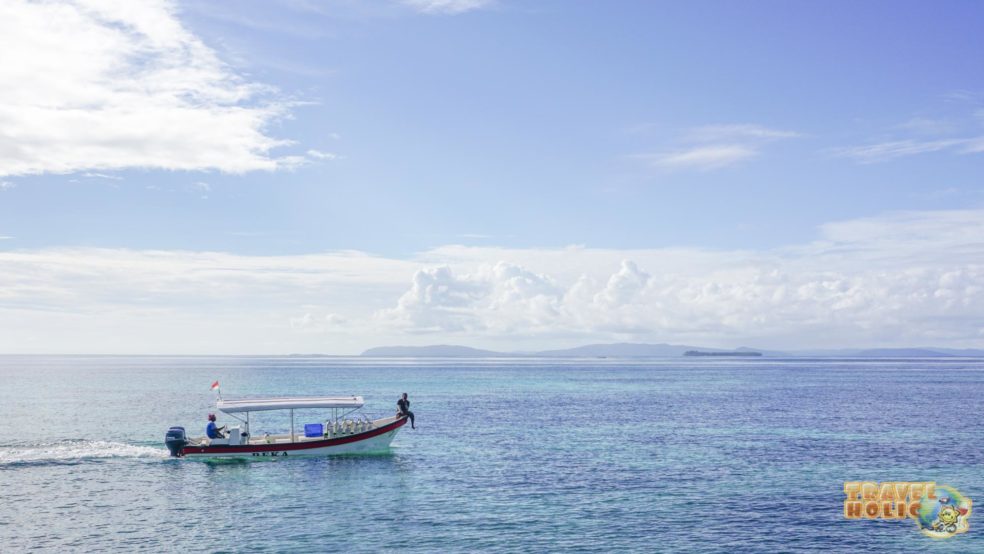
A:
175,440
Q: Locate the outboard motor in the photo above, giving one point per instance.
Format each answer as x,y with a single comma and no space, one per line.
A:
175,440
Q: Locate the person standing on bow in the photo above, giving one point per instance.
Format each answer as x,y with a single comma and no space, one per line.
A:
403,409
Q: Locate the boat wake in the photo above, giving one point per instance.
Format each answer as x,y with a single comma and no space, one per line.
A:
73,451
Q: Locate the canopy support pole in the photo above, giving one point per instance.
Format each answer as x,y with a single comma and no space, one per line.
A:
292,425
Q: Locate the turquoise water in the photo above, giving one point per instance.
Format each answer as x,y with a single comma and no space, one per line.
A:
510,455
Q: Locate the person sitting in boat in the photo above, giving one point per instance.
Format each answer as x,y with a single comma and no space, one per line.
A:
403,409
213,431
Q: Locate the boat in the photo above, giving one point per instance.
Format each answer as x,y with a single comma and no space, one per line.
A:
344,431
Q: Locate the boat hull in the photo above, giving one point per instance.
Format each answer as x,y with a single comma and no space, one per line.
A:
368,442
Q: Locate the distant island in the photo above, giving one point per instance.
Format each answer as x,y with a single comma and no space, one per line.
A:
433,351
703,353
615,350
660,350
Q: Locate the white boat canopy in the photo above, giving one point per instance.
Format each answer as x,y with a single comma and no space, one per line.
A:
292,403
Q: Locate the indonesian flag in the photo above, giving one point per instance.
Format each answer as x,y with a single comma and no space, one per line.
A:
215,386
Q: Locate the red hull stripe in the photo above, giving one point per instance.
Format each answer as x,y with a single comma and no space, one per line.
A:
246,449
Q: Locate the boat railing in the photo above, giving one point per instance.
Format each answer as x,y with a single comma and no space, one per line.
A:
351,424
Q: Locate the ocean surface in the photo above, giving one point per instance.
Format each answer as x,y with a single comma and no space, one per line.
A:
530,455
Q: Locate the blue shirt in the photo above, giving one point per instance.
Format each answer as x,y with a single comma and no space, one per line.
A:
212,431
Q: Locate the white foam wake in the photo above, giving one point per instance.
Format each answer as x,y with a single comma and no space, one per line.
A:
71,451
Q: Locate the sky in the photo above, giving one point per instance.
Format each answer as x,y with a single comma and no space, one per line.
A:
302,176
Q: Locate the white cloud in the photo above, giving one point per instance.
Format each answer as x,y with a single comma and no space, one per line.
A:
923,135
884,151
716,146
910,278
927,126
319,155
900,279
90,175
737,131
334,320
104,85
92,300
974,146
6,185
702,157
963,96
302,321
202,188
447,6
438,300
623,286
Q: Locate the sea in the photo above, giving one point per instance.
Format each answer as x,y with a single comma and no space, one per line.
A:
510,455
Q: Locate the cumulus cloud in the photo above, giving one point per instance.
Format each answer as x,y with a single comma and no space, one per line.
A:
499,298
301,322
910,278
623,286
438,300
905,278
112,84
769,303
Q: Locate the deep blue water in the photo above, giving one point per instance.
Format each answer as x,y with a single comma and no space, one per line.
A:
510,455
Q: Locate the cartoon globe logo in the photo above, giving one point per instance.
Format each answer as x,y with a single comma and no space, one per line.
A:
946,515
